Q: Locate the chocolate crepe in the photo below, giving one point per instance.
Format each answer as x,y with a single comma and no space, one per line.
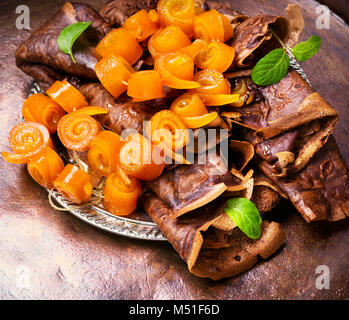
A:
187,235
187,187
40,57
116,11
321,190
123,112
253,39
289,125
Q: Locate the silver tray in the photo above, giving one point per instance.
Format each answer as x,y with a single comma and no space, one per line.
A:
100,218
128,227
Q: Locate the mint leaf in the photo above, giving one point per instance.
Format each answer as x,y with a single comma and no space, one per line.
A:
68,36
272,68
246,216
306,49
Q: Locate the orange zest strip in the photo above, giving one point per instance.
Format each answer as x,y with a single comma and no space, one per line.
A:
166,40
122,43
140,159
188,104
141,25
176,70
121,193
45,167
145,85
77,131
200,121
177,12
103,152
42,109
113,72
167,129
208,26
219,99
26,140
67,96
90,111
217,56
74,184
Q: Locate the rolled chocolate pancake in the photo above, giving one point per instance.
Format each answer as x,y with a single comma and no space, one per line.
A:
187,187
123,112
253,38
234,255
289,125
117,11
321,190
254,32
40,57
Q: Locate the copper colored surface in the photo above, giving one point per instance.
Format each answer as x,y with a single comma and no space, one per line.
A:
52,255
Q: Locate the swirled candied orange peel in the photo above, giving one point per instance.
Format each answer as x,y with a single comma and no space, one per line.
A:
121,193
139,158
188,104
209,26
190,108
113,72
177,12
145,85
67,96
103,152
168,131
26,140
214,89
77,130
42,109
45,167
176,70
121,43
216,56
141,25
168,39
74,184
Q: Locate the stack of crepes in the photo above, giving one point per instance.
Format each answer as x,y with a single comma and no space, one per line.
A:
279,138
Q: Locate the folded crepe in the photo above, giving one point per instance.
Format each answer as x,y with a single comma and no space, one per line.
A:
187,187
40,57
116,11
253,37
321,190
288,124
208,251
123,112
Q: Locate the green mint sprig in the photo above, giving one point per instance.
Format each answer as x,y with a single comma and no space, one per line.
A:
246,216
274,66
68,36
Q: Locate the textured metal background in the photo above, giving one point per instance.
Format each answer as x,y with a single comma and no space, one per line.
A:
49,255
